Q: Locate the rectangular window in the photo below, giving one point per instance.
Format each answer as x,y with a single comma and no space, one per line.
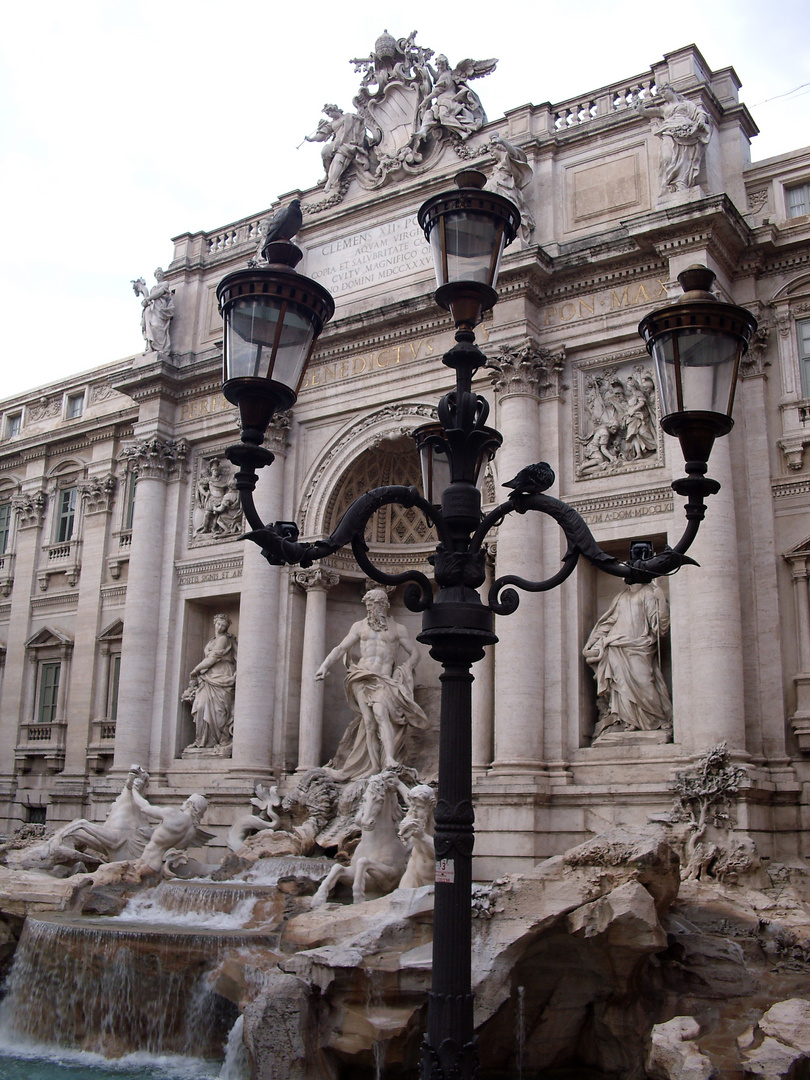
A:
13,425
48,692
798,200
129,506
115,676
5,526
36,815
803,334
65,515
75,406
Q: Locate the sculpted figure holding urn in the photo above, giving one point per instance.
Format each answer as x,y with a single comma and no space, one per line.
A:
623,650
378,689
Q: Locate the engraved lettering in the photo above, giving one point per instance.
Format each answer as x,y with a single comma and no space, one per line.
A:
619,301
585,308
568,317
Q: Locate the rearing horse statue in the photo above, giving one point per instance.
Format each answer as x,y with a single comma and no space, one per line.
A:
380,857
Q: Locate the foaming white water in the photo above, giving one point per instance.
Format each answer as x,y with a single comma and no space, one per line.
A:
237,1063
147,908
269,871
42,1059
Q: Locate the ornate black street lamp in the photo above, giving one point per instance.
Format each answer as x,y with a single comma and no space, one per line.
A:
272,317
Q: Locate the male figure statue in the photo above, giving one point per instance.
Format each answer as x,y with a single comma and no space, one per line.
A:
377,688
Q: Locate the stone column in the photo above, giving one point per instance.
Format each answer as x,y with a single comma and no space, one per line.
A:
518,373
708,697
156,462
96,494
316,583
482,693
259,654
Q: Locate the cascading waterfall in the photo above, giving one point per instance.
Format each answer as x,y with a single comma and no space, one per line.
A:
114,991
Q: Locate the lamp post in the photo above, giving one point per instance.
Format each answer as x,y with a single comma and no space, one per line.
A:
272,318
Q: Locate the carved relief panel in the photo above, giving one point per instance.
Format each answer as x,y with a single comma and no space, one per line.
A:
216,513
615,416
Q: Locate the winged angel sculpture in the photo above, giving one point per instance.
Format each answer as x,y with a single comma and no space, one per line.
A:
406,108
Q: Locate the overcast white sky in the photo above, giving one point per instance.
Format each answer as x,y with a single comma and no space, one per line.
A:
124,124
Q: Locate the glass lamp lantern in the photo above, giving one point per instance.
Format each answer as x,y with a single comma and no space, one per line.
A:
444,458
272,317
697,343
467,229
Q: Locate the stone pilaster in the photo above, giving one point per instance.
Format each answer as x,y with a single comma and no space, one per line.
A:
258,625
800,576
96,495
316,583
29,508
157,462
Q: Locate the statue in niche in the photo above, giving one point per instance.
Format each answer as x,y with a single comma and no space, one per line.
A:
624,650
157,313
620,412
346,141
451,105
211,691
378,689
218,510
510,175
684,128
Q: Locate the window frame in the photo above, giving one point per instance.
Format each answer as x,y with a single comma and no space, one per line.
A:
13,424
66,516
803,349
790,190
71,401
49,704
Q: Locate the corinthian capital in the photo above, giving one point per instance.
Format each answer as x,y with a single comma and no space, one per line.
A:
315,578
276,437
30,508
527,368
161,459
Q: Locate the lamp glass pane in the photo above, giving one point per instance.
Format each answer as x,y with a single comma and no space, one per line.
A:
435,466
294,346
707,368
470,239
252,333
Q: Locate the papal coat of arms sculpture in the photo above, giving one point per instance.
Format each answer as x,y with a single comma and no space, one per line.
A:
408,107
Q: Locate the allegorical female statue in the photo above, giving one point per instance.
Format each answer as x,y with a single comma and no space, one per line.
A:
623,649
157,313
684,128
211,690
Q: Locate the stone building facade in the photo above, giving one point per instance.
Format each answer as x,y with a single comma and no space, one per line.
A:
118,549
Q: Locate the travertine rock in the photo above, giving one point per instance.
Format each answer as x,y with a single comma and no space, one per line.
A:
789,1021
773,1060
674,1055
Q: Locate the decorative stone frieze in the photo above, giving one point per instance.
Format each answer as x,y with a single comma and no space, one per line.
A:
624,505
757,199
45,409
527,368
30,509
97,494
155,458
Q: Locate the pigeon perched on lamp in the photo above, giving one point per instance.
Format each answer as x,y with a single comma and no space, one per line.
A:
532,479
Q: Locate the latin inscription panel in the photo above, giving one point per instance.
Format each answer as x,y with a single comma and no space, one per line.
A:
367,259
